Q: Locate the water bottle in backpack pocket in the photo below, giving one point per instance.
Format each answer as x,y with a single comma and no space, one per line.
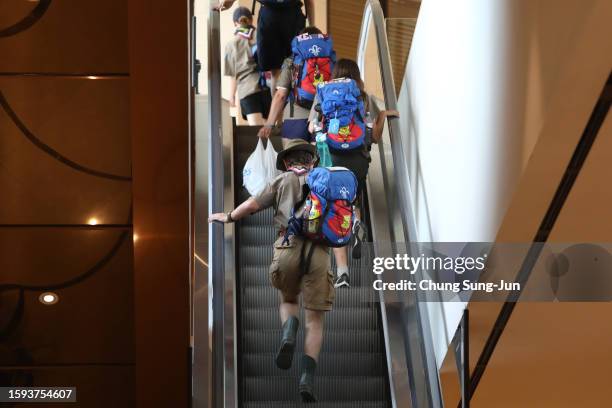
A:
313,60
326,213
343,114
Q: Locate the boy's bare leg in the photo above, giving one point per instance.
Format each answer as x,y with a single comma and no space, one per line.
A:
312,348
287,310
288,313
314,333
255,119
342,268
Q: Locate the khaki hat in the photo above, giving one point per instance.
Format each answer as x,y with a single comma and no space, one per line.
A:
294,145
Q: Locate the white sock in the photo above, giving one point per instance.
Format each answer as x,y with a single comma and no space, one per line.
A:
341,270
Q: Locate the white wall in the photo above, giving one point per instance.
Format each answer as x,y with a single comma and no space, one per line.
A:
452,102
480,77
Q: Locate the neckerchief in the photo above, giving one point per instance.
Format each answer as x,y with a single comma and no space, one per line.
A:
299,170
245,32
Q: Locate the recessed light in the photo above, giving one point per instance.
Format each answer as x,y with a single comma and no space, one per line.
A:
48,298
93,221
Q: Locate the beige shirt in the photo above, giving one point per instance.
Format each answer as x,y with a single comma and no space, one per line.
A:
284,192
285,81
240,64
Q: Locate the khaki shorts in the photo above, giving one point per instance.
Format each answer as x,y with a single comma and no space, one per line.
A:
286,275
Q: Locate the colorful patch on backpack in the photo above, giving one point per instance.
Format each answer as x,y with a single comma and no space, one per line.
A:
347,137
318,70
338,222
313,212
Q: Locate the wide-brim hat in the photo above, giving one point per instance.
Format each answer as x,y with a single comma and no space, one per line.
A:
294,145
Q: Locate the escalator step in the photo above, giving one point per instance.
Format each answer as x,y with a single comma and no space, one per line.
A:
334,341
331,364
251,234
261,219
255,255
287,404
352,368
267,296
345,318
257,275
254,276
326,388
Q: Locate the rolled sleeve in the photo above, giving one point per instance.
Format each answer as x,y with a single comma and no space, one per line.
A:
267,196
286,76
229,66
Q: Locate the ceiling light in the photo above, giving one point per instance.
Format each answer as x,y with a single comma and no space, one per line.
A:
48,298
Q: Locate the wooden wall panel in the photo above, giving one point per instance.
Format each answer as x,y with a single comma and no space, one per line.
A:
344,21
399,33
344,25
159,123
403,8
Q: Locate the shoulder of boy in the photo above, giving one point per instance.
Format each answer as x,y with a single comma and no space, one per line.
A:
287,63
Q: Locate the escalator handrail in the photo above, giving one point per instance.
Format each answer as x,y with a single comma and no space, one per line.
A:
422,361
216,249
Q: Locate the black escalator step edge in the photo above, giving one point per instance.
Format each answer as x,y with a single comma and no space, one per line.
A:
334,341
350,388
345,318
330,365
341,404
267,296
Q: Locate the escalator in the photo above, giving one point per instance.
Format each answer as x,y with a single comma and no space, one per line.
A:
375,354
352,368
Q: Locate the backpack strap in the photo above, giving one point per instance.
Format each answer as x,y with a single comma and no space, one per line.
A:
253,7
306,262
294,226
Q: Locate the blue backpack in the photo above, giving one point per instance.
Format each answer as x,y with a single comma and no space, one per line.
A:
343,113
327,207
313,59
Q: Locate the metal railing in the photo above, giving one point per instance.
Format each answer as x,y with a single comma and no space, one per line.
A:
221,341
411,359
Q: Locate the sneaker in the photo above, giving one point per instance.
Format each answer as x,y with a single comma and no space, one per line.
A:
342,281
